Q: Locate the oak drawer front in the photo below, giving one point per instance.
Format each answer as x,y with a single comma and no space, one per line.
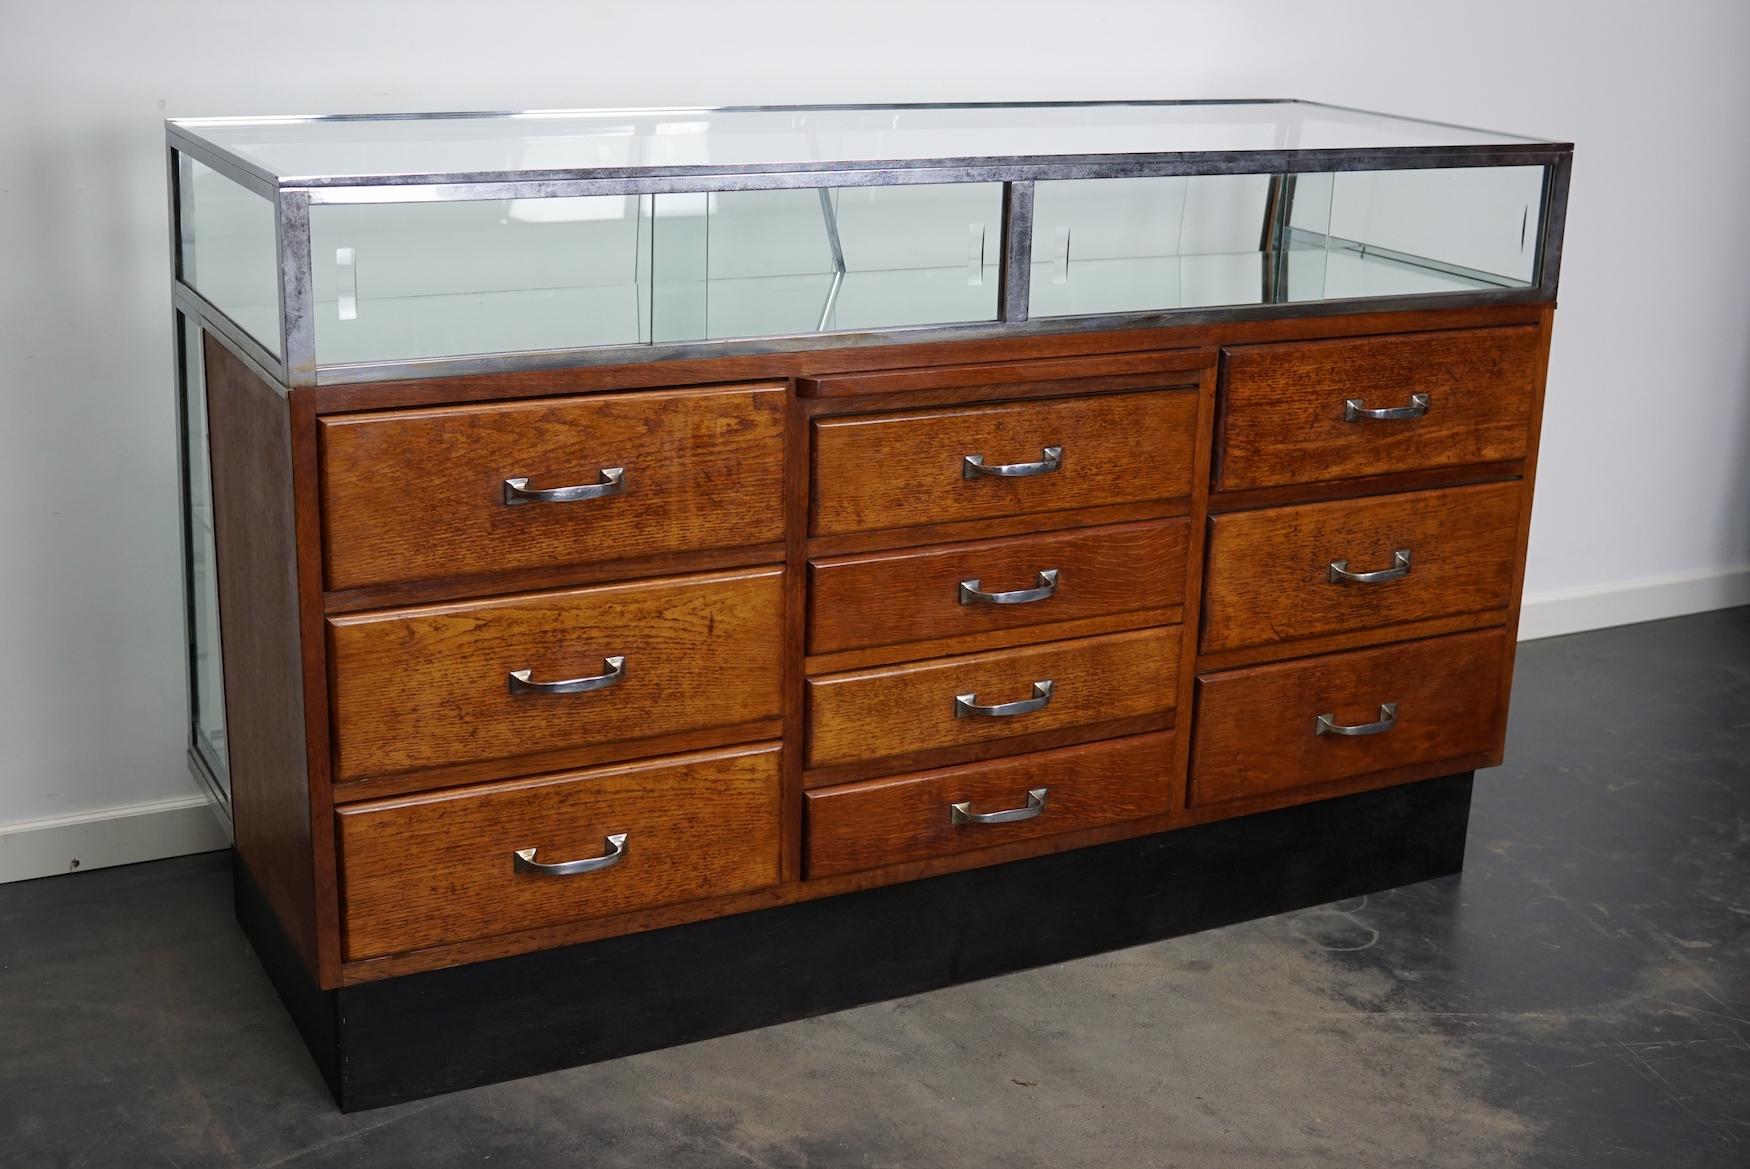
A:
421,688
904,469
1448,399
899,710
444,867
888,598
1277,574
1258,730
421,494
913,817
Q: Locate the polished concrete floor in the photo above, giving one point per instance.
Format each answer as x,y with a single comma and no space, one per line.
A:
1579,997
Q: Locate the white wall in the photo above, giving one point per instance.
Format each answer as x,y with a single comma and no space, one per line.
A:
1644,492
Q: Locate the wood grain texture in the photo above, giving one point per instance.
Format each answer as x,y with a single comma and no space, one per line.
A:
1282,405
906,818
439,868
1113,371
255,538
1255,727
901,710
889,598
895,470
419,688
1268,572
409,495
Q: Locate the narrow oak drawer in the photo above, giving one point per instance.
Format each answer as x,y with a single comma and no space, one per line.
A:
487,680
421,494
454,865
858,602
962,809
1319,720
898,470
1284,573
951,702
1318,410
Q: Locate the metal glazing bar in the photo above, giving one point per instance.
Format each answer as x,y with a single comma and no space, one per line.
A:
1015,266
246,348
1555,218
829,218
296,297
244,174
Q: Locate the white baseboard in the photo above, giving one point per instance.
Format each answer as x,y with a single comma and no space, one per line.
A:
109,836
176,827
1652,599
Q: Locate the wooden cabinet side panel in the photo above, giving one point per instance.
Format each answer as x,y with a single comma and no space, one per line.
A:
250,432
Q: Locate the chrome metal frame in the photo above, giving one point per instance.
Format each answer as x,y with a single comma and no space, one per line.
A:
294,195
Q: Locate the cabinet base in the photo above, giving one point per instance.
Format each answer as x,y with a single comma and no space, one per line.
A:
418,1035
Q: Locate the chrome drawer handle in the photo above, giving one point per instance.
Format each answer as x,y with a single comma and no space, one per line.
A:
613,670
971,595
974,466
1388,718
966,705
1355,409
612,482
616,852
962,812
1400,568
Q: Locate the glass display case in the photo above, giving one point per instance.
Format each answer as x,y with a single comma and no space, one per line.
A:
344,249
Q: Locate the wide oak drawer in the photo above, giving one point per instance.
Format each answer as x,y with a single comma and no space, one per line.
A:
1318,410
977,462
454,865
463,490
535,674
1321,720
918,594
891,711
1284,573
982,805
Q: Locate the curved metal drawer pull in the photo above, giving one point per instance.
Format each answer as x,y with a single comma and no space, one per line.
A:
974,466
616,852
1388,718
1355,409
613,482
613,670
966,705
971,595
962,812
1400,568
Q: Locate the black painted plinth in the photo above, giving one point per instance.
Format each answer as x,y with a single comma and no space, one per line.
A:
403,1038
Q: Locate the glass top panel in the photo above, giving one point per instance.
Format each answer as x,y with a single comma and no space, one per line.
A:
578,140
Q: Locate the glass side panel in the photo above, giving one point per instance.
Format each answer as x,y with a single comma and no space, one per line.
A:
759,263
1138,245
227,248
411,280
206,700
293,148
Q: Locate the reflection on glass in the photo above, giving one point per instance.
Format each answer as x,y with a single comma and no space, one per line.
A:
760,263
207,676
226,248
412,280
1138,245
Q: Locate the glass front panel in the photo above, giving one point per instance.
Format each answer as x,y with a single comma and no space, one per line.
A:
227,248
1138,245
206,666
397,281
760,263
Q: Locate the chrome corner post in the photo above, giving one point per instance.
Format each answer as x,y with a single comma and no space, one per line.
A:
1015,272
296,294
1555,218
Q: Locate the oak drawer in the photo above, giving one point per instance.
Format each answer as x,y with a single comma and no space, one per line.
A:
1258,729
444,867
900,710
903,469
421,494
1460,397
428,687
918,594
913,817
1271,571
